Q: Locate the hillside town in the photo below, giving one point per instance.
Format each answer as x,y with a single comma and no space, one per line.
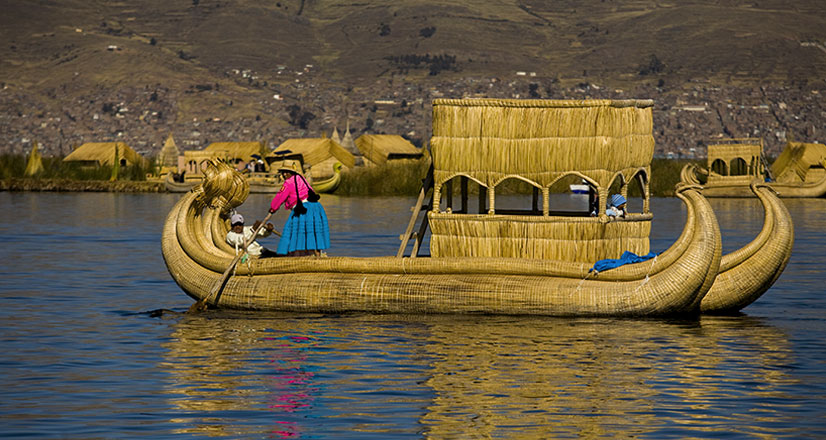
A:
303,104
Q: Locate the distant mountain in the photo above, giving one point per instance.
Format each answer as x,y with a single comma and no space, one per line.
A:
231,59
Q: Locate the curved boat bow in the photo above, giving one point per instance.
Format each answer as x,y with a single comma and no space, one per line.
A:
748,272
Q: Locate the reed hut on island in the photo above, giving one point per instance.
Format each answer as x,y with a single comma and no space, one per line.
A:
105,153
168,156
319,154
800,163
34,164
540,142
378,149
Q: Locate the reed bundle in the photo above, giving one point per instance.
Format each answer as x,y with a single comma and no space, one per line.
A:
794,163
580,239
541,140
317,150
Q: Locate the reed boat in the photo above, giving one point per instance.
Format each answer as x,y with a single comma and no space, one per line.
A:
674,283
330,184
264,183
175,186
799,171
533,261
479,263
259,183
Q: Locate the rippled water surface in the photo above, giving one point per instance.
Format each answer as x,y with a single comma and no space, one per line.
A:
83,357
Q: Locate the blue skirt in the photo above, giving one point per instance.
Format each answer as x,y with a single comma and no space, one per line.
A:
308,231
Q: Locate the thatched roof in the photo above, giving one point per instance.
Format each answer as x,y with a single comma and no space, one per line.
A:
103,153
541,140
239,150
379,148
348,143
168,157
794,162
317,150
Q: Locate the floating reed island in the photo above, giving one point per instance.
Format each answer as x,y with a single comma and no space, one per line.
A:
536,260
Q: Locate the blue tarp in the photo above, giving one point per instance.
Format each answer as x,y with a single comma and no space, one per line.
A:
627,257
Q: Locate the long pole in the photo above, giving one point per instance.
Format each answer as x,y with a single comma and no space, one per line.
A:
202,303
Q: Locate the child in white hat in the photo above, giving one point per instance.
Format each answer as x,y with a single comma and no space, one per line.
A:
239,234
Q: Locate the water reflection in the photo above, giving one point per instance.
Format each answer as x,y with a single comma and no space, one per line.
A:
444,377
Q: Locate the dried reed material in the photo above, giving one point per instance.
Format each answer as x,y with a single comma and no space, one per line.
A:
739,186
103,153
748,272
581,239
317,150
541,140
238,150
443,285
168,157
750,148
794,164
379,148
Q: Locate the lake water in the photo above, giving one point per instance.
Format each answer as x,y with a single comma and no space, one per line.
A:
83,357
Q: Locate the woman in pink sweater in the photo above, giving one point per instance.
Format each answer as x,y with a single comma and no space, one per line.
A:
305,233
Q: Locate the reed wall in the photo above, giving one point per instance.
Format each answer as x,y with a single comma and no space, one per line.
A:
579,239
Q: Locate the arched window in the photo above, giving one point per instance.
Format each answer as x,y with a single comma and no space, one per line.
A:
719,166
571,195
463,195
738,167
636,192
516,196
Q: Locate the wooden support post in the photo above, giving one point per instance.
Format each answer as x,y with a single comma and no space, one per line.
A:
546,201
644,187
449,195
491,200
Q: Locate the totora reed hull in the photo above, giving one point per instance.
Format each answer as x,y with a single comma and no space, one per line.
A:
674,283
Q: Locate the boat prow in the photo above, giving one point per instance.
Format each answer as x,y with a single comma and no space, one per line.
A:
330,184
748,272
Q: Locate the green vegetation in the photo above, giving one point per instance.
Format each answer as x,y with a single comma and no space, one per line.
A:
397,178
14,166
665,174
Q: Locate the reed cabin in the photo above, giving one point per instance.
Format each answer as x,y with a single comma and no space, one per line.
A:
486,142
736,161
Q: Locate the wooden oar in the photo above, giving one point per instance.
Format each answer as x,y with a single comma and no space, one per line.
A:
202,303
